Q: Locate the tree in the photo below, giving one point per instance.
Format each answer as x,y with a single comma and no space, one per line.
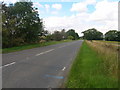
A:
8,26
49,37
72,33
92,34
63,33
57,36
21,24
111,35
29,23
76,36
118,36
70,37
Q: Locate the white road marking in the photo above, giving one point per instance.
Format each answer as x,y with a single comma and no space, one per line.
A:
66,45
39,54
44,52
62,46
8,64
63,68
53,49
49,50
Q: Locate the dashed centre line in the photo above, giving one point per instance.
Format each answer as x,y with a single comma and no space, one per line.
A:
62,46
63,68
44,52
8,64
38,55
52,50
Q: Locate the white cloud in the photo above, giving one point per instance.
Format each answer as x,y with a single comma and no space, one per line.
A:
104,18
106,14
54,12
67,0
105,11
36,4
90,2
57,23
57,6
79,7
82,6
47,7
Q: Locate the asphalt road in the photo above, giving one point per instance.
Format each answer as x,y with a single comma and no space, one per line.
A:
42,67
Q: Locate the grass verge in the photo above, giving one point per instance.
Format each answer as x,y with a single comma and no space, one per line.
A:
30,46
88,71
112,42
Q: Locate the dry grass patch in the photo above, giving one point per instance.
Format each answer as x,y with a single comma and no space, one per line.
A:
109,54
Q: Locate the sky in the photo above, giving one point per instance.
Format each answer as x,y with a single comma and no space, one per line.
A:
77,14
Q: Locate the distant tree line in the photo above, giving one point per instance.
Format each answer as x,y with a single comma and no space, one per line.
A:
22,25
62,35
94,34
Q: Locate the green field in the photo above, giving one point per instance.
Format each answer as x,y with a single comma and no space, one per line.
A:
30,46
88,71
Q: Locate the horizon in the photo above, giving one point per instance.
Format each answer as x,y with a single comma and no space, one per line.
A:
79,15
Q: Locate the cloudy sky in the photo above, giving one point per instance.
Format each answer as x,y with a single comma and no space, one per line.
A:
77,14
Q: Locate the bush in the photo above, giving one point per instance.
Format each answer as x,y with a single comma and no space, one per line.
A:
42,41
49,37
12,42
42,38
70,37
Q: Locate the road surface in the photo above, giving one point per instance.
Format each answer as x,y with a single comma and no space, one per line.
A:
41,67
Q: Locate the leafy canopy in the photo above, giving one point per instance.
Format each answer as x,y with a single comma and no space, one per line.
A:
92,34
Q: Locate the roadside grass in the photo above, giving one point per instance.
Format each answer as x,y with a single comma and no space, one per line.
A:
30,46
89,71
112,42
109,54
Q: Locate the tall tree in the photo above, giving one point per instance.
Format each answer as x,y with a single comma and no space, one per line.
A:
28,21
8,25
63,33
72,33
21,24
111,35
57,36
92,34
